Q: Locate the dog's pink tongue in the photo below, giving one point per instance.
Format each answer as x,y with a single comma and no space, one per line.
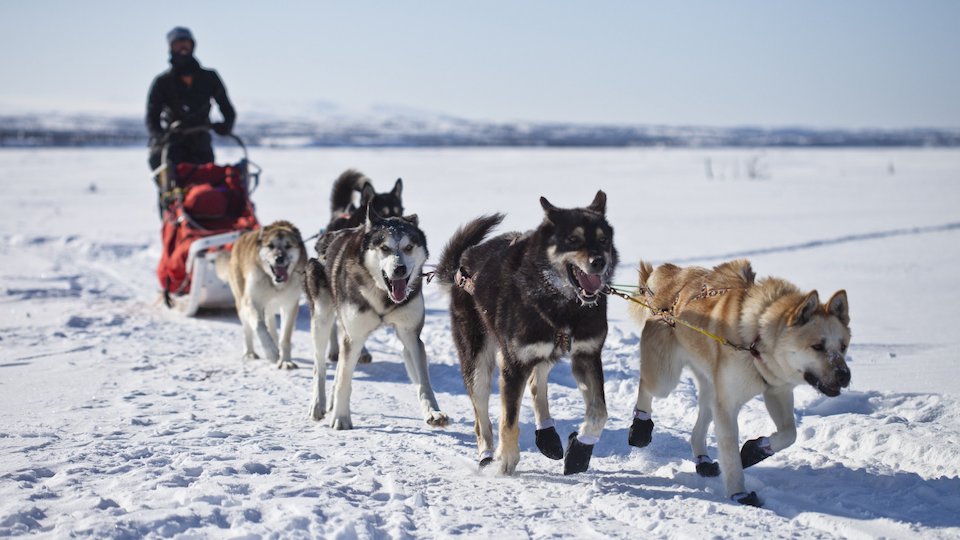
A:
398,289
280,272
590,282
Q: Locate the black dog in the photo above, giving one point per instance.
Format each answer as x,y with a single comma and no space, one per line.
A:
526,300
344,214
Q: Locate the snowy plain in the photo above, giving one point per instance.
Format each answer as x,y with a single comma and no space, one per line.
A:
121,419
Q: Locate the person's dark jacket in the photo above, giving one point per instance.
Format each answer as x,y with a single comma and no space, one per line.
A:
170,99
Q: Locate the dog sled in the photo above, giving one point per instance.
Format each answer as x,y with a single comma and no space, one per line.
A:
204,208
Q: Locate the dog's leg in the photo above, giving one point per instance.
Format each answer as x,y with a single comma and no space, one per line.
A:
266,339
270,318
351,340
588,371
698,439
321,321
779,402
477,352
288,316
415,359
248,321
480,387
365,356
659,374
726,411
548,440
513,380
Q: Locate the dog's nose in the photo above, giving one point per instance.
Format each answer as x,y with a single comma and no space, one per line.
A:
400,271
597,263
281,258
843,375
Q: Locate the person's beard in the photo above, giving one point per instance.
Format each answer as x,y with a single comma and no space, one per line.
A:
183,64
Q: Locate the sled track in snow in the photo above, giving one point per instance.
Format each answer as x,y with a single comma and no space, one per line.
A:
813,244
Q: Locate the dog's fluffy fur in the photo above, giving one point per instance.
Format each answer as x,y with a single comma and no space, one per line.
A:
797,340
365,277
344,214
530,299
265,271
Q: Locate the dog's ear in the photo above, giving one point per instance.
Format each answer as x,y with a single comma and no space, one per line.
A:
805,310
412,218
260,236
397,188
372,218
838,305
599,203
367,193
549,209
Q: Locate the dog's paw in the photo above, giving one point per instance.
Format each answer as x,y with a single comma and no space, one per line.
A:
548,441
365,356
577,459
341,422
286,364
641,433
317,412
436,419
250,356
707,467
754,451
508,461
747,499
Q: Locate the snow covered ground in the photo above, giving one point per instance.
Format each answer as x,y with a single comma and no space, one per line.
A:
121,419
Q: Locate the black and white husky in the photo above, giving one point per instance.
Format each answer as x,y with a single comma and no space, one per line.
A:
524,301
364,277
344,214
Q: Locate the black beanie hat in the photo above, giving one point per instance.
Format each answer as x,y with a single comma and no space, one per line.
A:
180,32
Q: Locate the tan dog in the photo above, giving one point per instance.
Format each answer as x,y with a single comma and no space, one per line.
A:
265,270
787,337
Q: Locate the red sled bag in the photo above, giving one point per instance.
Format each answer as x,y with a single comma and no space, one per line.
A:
208,199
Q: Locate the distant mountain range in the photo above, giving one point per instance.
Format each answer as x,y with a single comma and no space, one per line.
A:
399,128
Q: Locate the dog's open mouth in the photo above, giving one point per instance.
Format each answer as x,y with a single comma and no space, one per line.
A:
588,285
280,273
827,390
397,287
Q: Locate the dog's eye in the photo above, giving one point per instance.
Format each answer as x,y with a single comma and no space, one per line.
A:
843,347
818,347
603,240
408,248
573,240
386,249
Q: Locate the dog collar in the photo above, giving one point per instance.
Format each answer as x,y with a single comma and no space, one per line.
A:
464,281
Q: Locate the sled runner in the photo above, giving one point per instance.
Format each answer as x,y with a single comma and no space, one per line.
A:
204,208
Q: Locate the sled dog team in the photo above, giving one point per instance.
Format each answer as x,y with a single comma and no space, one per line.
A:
522,300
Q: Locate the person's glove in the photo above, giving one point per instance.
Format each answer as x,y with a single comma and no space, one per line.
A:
221,128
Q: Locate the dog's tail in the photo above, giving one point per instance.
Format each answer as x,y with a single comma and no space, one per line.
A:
637,311
466,236
341,198
222,265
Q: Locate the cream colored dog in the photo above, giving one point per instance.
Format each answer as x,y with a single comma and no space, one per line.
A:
787,338
265,270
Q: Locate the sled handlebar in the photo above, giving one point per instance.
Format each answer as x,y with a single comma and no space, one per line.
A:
176,129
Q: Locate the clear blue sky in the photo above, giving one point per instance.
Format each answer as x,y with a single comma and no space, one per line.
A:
808,63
